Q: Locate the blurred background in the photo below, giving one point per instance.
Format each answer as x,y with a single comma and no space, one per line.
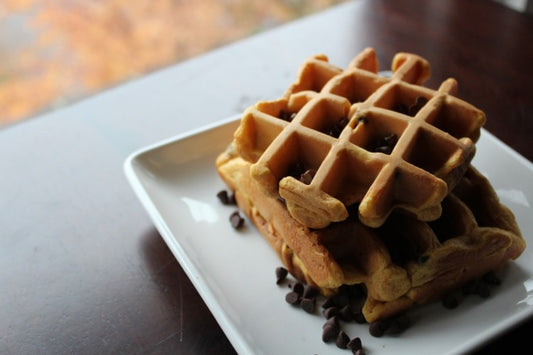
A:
55,51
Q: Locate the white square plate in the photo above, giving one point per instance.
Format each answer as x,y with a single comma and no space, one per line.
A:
176,181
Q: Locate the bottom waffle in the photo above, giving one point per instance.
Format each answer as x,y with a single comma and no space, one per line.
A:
403,263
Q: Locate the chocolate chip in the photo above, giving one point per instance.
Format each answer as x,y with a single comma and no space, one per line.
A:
398,325
332,321
342,340
345,313
301,172
419,103
390,139
391,326
292,298
483,290
355,344
308,305
359,317
385,149
329,333
377,328
309,291
413,109
337,128
401,108
286,115
307,176
342,298
226,197
223,197
236,220
491,278
296,170
386,144
478,287
297,287
328,303
450,301
359,352
281,274
469,288
330,312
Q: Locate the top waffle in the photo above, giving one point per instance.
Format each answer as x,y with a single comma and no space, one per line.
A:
339,138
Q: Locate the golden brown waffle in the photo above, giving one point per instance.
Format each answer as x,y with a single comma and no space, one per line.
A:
344,137
404,262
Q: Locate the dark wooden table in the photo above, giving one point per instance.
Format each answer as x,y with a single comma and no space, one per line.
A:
82,269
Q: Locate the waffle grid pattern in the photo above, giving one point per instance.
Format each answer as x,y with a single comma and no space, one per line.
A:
344,137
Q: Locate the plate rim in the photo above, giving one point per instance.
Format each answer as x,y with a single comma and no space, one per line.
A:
229,329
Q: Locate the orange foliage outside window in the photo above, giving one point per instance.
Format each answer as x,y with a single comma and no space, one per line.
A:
76,47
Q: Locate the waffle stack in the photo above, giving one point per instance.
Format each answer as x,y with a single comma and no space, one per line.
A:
353,177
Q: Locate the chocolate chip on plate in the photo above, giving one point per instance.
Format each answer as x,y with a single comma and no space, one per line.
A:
450,301
377,328
392,326
329,333
345,313
342,298
342,340
399,324
355,344
359,317
483,290
308,305
491,278
292,298
476,287
332,321
328,303
309,291
227,198
281,274
330,312
236,220
297,287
